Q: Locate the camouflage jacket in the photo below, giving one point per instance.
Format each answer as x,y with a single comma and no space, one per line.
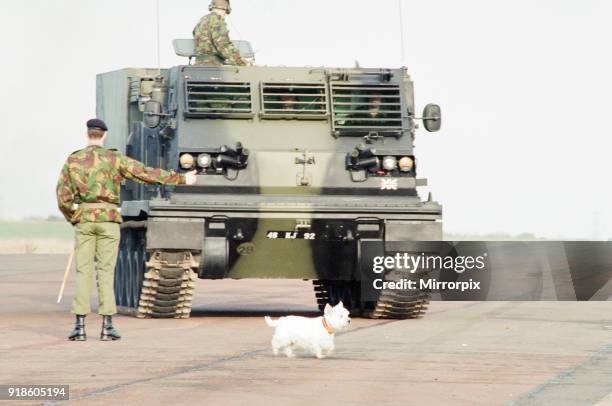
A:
212,43
94,175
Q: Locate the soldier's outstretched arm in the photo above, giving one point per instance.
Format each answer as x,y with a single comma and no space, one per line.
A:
66,192
221,39
132,169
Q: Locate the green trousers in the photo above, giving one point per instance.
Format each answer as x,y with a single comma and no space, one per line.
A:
99,241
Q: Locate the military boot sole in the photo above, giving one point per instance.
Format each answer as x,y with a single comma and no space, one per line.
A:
78,338
109,338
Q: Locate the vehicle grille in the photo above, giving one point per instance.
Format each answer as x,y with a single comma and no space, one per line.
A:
294,100
366,108
218,99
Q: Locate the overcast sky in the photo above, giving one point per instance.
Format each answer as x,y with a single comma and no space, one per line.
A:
525,88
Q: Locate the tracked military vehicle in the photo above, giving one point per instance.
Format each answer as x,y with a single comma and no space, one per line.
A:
298,170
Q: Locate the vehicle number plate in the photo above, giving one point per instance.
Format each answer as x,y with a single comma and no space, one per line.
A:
291,235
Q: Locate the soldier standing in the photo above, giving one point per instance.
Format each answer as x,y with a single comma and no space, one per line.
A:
91,178
212,42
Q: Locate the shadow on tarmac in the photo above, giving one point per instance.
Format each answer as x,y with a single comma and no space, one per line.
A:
251,313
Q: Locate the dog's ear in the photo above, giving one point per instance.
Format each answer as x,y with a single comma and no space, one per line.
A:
327,309
340,305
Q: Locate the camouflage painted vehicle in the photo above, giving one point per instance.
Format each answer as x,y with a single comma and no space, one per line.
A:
299,168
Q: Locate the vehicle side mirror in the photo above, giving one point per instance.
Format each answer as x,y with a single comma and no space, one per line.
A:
152,114
432,118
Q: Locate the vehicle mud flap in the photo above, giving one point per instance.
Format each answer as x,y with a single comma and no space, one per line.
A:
357,295
215,258
130,270
367,251
348,287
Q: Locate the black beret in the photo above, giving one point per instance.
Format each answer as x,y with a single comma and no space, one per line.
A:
97,123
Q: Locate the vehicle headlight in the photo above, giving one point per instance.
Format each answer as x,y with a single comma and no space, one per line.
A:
406,164
204,160
389,163
186,161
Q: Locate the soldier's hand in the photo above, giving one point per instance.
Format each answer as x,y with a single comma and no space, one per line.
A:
190,177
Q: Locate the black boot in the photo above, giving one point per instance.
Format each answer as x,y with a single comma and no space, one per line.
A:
108,331
78,334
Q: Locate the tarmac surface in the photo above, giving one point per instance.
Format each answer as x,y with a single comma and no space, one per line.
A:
461,353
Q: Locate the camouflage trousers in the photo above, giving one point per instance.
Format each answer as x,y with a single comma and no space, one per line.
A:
208,60
99,242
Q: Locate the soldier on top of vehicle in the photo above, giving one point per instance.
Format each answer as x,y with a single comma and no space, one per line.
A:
213,46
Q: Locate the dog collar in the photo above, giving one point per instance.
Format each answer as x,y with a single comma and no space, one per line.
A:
327,327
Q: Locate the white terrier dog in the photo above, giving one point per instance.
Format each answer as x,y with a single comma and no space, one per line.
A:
311,334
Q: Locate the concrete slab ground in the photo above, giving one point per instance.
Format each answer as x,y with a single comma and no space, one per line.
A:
476,353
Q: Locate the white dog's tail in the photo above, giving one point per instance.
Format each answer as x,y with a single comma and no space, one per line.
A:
270,322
